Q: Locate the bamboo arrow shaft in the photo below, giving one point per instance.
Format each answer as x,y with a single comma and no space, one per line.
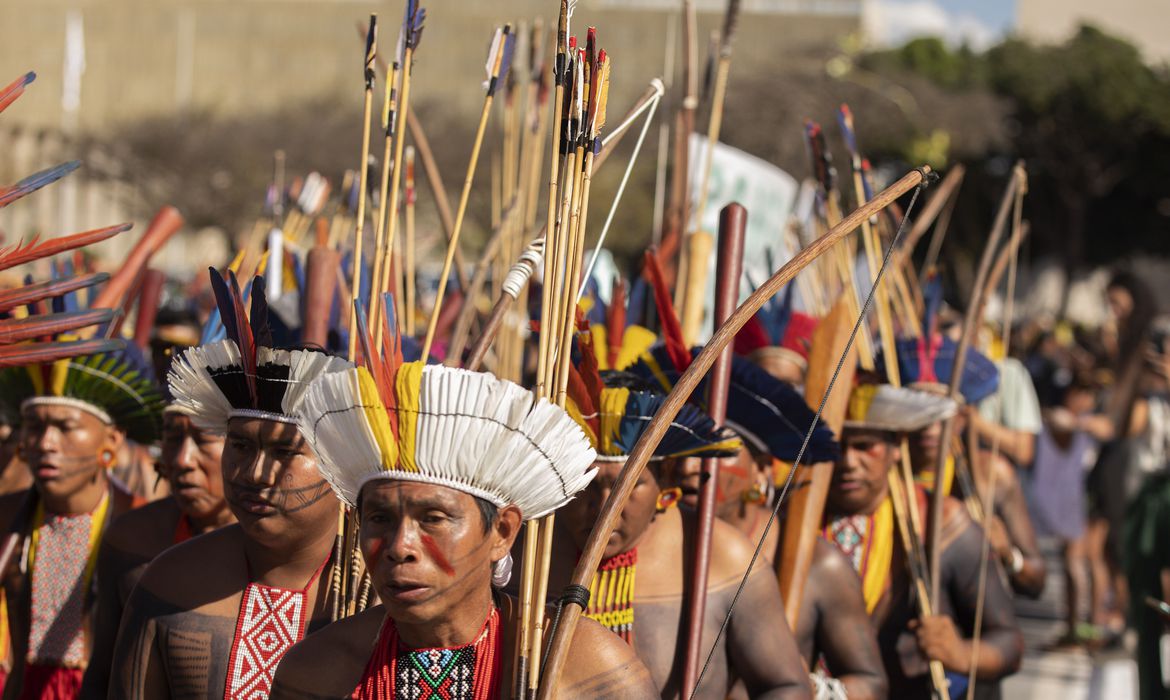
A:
453,245
636,462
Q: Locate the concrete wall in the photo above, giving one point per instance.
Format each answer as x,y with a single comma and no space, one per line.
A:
1144,22
151,57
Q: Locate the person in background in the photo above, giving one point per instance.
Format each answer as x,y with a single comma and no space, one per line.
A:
1055,485
1133,308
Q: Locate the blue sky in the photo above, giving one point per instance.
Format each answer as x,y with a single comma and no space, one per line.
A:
977,22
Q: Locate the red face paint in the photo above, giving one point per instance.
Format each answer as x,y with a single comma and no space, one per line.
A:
374,551
437,554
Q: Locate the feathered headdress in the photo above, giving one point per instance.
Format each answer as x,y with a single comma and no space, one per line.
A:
930,359
618,343
116,385
98,375
778,329
896,409
26,311
614,415
242,375
764,410
440,425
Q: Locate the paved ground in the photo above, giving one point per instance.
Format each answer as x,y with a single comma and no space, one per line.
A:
1064,675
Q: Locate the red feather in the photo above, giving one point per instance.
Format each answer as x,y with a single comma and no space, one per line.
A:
588,368
246,342
21,253
44,354
18,296
616,323
50,325
676,347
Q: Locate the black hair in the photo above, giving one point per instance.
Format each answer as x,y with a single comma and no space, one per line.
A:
488,511
615,379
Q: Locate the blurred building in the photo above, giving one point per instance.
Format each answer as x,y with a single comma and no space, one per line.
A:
1146,23
128,59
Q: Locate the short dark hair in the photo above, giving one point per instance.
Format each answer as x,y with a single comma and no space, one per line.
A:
488,511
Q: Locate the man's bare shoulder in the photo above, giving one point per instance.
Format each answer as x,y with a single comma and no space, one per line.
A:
602,665
828,561
731,552
145,528
329,663
198,568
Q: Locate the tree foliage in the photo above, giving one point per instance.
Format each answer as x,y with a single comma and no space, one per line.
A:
1090,119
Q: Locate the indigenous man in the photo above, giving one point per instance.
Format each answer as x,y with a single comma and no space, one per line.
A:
191,464
833,626
443,465
74,415
860,521
927,366
651,541
212,617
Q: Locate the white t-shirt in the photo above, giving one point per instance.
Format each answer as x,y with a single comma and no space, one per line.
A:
1015,406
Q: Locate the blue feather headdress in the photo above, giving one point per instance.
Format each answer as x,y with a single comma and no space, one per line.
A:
930,360
765,411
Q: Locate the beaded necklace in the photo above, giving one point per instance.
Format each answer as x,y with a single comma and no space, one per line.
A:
270,621
611,594
470,672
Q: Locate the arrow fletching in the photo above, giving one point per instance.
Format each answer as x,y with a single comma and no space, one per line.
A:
371,52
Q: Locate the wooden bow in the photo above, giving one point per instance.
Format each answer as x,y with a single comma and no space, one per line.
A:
970,324
628,478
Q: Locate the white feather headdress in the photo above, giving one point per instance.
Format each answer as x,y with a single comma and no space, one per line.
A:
211,382
465,430
896,409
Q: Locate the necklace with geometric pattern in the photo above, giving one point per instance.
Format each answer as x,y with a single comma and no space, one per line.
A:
270,621
470,672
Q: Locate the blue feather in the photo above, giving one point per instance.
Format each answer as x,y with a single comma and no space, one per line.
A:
760,407
36,181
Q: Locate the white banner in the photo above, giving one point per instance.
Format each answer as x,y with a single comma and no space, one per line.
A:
768,193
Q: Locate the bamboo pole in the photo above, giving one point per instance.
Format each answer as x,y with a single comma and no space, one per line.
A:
356,286
503,47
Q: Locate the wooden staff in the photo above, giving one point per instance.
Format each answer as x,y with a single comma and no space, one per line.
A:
969,321
810,485
166,223
148,299
498,59
368,74
678,212
517,277
639,456
561,76
389,126
321,266
693,275
732,226
987,500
